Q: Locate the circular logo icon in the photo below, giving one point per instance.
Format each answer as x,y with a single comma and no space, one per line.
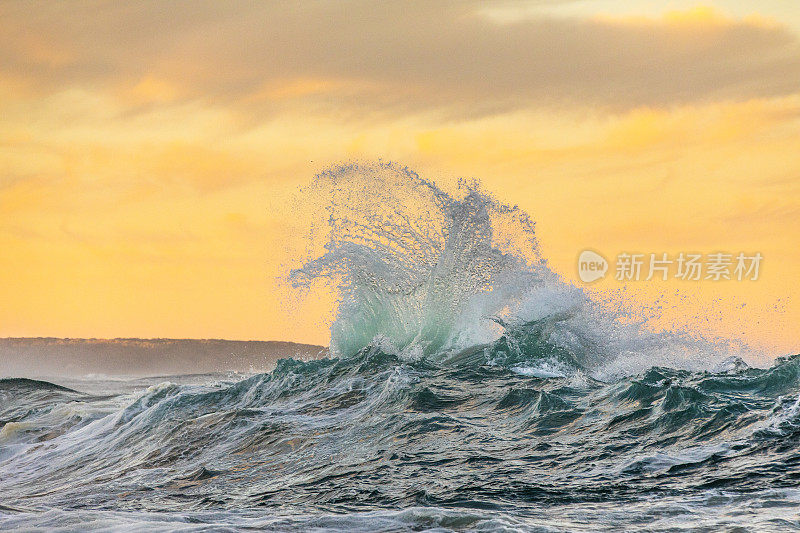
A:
591,266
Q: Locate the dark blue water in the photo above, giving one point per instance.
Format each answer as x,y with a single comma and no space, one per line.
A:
377,443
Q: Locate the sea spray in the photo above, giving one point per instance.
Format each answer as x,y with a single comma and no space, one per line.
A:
415,265
434,274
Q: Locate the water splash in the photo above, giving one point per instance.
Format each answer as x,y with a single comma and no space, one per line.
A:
434,274
417,266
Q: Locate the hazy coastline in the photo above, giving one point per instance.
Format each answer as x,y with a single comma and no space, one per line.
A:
49,356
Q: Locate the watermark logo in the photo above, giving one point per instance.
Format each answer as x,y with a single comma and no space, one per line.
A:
591,266
717,266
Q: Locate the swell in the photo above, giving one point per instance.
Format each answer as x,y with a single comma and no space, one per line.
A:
374,427
22,398
22,385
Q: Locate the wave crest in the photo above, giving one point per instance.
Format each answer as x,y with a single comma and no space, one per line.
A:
440,275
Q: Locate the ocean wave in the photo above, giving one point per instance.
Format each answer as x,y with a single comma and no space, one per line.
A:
468,388
374,419
435,274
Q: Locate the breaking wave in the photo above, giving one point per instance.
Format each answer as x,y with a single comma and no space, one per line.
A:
436,275
469,388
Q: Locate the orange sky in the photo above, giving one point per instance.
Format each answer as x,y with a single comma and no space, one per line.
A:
147,150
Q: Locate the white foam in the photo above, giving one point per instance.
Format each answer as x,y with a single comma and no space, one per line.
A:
431,273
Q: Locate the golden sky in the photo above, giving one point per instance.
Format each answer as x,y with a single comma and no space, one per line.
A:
148,149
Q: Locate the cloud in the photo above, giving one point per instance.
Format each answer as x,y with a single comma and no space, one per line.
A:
393,56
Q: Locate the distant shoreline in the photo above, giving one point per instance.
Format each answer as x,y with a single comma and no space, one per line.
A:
51,356
154,339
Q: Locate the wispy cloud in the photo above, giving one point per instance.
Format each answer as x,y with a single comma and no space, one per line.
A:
417,55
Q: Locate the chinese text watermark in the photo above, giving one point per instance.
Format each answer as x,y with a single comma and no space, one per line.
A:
716,266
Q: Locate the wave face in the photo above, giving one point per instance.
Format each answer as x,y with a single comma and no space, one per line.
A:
469,388
377,442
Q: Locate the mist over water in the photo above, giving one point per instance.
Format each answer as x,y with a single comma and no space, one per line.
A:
469,388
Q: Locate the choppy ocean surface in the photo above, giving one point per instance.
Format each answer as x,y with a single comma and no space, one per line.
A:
373,442
469,389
